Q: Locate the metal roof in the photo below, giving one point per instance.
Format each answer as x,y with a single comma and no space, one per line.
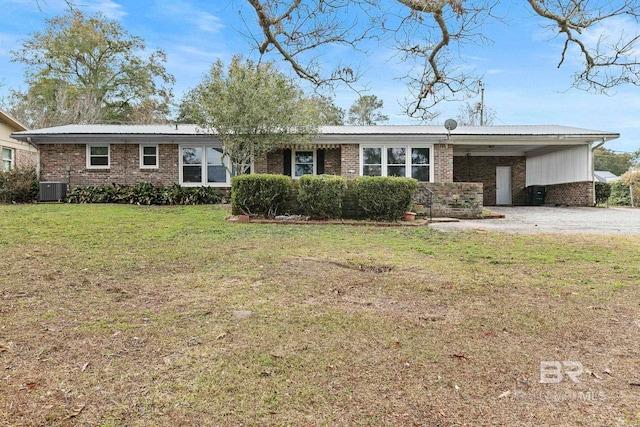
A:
473,135
605,176
190,129
116,130
515,130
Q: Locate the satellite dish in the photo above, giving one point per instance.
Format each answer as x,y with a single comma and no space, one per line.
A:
450,124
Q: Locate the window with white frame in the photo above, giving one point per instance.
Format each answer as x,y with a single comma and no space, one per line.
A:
411,161
397,161
371,161
216,169
98,156
421,163
203,165
303,163
7,159
149,157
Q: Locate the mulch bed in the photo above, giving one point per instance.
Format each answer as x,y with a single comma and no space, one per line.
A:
416,223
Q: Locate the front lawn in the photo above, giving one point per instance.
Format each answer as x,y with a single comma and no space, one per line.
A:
117,315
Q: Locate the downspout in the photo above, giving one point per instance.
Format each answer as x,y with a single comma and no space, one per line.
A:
593,169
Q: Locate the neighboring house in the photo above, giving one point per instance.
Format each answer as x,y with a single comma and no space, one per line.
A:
14,153
605,176
504,159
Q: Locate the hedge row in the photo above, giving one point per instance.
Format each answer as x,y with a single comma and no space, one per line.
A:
18,185
323,196
385,198
603,192
145,194
320,197
262,195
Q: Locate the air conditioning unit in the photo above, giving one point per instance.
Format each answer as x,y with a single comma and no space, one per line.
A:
53,191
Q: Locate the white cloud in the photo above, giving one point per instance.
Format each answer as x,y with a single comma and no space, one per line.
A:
188,14
611,31
109,8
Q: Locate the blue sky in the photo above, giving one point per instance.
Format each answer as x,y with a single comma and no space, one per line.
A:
522,82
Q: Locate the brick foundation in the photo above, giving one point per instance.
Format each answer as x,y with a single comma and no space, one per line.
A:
571,194
483,169
452,199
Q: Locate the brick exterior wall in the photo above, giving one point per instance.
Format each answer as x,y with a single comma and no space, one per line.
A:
260,165
333,161
483,169
124,167
571,194
274,162
26,159
451,199
350,161
443,163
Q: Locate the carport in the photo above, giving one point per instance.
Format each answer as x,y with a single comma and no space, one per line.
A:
508,160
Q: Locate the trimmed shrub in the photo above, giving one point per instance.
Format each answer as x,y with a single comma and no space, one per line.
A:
620,195
385,198
261,194
18,185
145,194
320,196
350,207
603,191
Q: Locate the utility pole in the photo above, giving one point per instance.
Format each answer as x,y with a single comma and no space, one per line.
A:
481,102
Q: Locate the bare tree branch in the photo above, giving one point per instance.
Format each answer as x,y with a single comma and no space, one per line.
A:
606,64
428,32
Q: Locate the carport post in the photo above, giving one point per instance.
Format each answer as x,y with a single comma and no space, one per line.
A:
593,170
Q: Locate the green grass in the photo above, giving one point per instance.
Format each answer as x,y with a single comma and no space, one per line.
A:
124,315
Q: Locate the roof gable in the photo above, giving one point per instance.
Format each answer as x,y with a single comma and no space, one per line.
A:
11,122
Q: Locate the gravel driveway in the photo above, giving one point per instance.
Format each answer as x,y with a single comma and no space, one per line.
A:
543,219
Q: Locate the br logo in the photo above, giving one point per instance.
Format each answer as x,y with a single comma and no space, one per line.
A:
553,372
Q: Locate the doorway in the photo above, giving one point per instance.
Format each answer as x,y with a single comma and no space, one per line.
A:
503,185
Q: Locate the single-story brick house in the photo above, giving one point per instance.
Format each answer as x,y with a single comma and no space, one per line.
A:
14,153
505,160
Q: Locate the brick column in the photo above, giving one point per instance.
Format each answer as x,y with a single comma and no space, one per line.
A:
350,161
443,163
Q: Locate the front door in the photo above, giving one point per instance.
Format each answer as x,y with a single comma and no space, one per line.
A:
503,185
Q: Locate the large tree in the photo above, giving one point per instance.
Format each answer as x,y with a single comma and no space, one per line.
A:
426,34
605,159
366,111
328,112
88,69
253,108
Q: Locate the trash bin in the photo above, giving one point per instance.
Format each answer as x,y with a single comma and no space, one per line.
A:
536,194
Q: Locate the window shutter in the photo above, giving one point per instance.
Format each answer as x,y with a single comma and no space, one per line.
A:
286,161
320,162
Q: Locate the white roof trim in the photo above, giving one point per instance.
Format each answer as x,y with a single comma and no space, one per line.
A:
173,133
